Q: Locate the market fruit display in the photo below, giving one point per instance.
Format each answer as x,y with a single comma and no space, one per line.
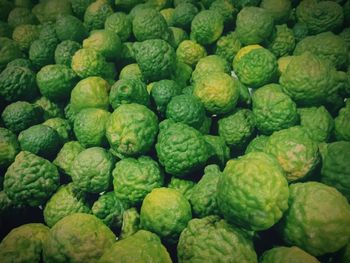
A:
182,131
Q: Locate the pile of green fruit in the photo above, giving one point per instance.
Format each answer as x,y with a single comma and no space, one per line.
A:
174,131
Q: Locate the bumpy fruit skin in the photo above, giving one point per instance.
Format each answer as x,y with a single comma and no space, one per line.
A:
49,108
30,179
184,14
320,16
131,129
130,90
335,169
221,152
77,238
131,223
226,9
9,50
66,156
217,91
48,11
96,14
165,212
64,202
133,179
21,62
17,83
109,209
41,140
325,45
257,144
190,52
282,41
256,67
342,127
90,127
150,24
186,109
308,80
182,185
203,194
280,10
273,110
9,147
24,243
69,27
318,122
24,35
21,16
237,128
207,27
253,25
256,176
61,126
120,24
41,53
56,82
232,244
288,255
296,152
20,115
88,62
91,92
317,219
131,71
161,93
210,64
181,149
156,59
91,170
79,7
143,246
65,51
228,46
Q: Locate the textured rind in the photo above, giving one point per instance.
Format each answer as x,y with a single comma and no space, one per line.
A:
226,9
150,24
287,255
318,122
217,91
273,110
181,149
109,209
256,68
96,14
203,194
65,51
91,170
190,52
207,27
69,27
91,92
342,124
186,109
156,59
24,243
184,14
9,147
228,46
42,52
41,140
88,62
77,238
131,129
131,222
257,144
282,41
165,212
24,35
336,167
210,64
133,179
184,186
120,24
253,25
317,220
50,109
280,10
320,16
296,152
237,128
130,90
326,46
20,115
90,127
17,83
56,82
221,152
66,156
211,239
308,80
253,191
30,179
143,246
61,126
64,202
